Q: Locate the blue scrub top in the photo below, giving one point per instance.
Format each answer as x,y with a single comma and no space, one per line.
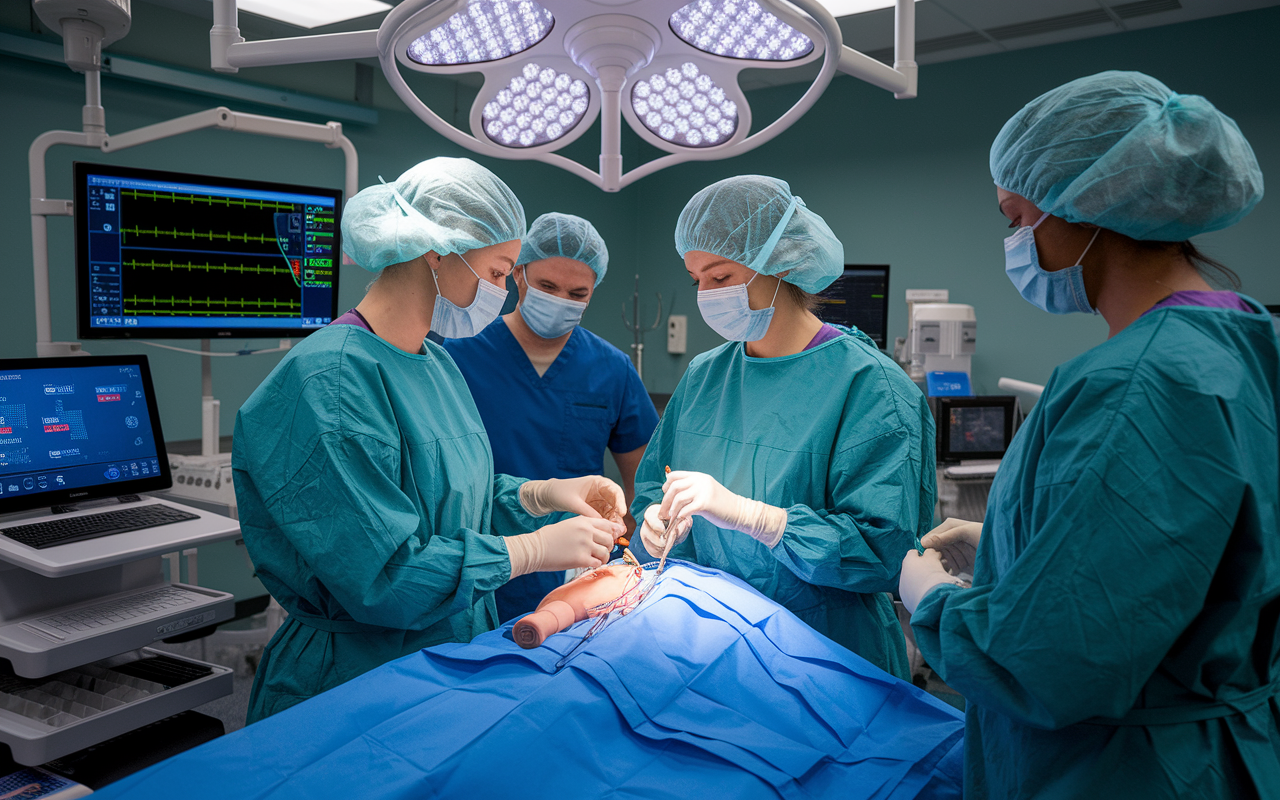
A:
554,426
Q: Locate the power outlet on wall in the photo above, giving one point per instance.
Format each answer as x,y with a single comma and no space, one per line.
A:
677,334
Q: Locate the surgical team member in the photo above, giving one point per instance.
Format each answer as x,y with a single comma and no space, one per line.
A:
1122,634
366,488
553,395
802,457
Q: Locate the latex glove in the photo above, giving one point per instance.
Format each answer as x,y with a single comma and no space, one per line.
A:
574,495
571,543
653,533
687,493
957,541
920,573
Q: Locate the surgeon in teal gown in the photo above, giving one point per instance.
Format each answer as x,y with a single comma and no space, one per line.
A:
1121,637
363,473
802,458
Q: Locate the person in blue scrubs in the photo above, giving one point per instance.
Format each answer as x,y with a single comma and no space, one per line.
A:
553,395
802,457
367,496
1121,636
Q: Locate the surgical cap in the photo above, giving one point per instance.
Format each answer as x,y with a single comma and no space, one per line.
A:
756,221
445,205
565,235
1122,151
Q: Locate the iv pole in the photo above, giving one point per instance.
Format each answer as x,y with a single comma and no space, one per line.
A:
637,329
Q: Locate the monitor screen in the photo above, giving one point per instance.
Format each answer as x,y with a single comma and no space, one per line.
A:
974,427
859,298
163,254
77,428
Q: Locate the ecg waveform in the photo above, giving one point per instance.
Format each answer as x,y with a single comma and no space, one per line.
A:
224,255
202,307
208,200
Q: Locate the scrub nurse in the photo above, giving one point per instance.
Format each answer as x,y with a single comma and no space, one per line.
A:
363,474
1122,634
802,457
553,395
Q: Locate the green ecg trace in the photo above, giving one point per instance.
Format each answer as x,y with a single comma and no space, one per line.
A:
172,265
234,306
207,200
194,234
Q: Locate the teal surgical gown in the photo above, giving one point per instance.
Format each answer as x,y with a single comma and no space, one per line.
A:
369,506
840,438
1122,635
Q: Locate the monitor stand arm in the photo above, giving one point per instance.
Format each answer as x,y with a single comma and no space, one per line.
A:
210,408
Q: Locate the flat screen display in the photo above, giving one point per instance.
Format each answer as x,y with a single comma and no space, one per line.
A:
77,428
977,429
171,255
859,298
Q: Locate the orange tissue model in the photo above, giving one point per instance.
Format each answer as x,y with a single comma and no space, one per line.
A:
612,587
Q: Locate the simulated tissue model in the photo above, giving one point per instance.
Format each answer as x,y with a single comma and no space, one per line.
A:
591,594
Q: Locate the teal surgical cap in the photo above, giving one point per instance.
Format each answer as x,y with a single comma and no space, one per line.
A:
443,205
565,235
756,221
1122,151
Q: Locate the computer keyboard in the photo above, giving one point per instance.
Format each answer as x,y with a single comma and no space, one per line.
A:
90,526
101,617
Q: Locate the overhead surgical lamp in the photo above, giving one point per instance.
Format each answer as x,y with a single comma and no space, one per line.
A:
550,67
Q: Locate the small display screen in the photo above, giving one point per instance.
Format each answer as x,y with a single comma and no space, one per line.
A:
76,426
977,429
859,298
164,254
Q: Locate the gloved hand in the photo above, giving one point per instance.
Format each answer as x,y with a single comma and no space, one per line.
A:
653,532
687,493
920,573
957,541
574,495
571,543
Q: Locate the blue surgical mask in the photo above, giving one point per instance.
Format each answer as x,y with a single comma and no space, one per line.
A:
1060,292
453,322
547,315
729,314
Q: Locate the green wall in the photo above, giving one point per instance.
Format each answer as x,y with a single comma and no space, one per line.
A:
900,182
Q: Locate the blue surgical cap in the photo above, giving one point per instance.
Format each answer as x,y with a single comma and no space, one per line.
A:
443,205
565,235
1122,151
756,221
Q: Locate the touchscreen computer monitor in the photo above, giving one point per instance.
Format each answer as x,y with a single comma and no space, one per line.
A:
171,255
974,427
859,298
73,429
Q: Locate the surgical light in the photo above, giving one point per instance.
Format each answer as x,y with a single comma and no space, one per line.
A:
314,13
486,30
683,105
550,69
538,106
738,29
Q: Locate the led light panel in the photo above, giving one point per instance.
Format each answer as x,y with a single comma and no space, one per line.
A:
313,13
540,105
738,29
486,30
685,106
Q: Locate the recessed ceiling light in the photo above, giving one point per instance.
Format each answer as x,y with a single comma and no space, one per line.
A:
843,8
313,13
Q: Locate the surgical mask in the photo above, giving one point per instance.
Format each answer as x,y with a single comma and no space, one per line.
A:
547,315
729,314
453,322
1060,292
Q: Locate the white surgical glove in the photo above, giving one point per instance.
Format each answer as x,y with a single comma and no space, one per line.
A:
574,495
571,543
653,532
957,541
688,493
920,573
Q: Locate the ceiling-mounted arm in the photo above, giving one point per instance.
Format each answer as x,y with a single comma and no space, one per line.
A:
229,51
901,77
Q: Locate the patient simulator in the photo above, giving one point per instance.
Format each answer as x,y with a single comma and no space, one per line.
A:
684,682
